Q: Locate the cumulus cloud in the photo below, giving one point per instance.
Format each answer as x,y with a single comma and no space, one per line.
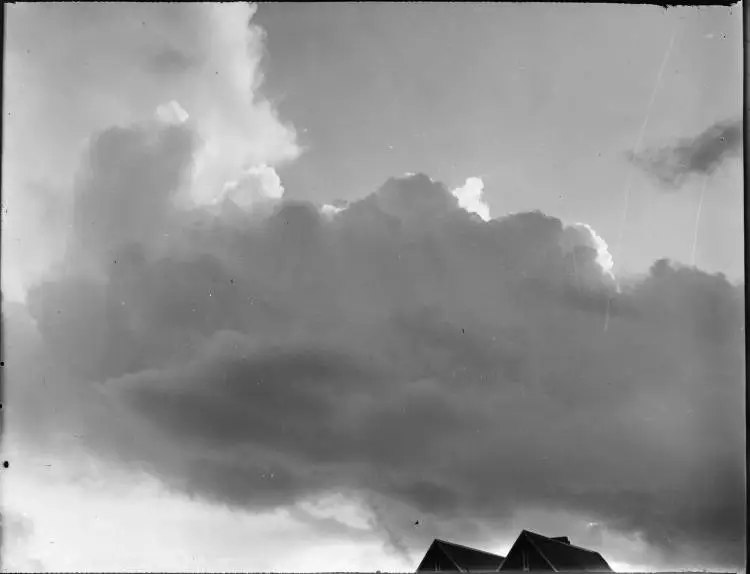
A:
113,65
172,113
470,197
331,209
256,184
702,154
256,352
405,352
582,236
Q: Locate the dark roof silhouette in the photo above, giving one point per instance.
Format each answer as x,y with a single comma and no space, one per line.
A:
563,556
561,539
464,559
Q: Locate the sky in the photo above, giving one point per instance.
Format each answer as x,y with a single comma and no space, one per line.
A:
301,287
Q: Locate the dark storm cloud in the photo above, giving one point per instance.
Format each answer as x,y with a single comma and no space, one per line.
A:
699,155
401,349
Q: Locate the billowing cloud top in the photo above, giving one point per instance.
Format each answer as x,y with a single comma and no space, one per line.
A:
172,113
404,349
470,197
256,183
582,235
699,155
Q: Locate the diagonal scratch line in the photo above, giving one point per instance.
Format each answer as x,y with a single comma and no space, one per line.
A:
698,219
636,149
638,142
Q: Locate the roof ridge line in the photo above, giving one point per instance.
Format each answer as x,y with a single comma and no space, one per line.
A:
466,547
566,544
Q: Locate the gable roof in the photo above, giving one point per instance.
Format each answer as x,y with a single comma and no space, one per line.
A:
467,559
564,556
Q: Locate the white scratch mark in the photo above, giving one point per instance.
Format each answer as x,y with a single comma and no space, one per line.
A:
638,142
698,220
636,148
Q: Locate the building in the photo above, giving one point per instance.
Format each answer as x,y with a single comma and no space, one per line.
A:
533,551
445,556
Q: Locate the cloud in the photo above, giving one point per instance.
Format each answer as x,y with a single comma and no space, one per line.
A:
331,209
470,197
172,113
112,66
258,183
256,352
126,190
394,541
453,368
582,235
699,155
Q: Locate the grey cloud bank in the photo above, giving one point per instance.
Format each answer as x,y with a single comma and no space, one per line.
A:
402,348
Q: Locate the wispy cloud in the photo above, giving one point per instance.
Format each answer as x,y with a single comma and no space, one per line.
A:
702,154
